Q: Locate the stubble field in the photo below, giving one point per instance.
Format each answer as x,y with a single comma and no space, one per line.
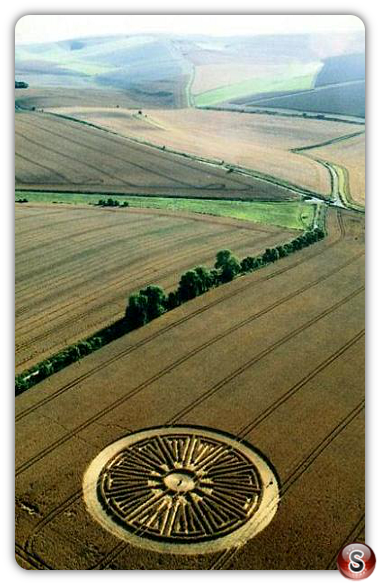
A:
60,154
259,142
278,370
350,154
77,265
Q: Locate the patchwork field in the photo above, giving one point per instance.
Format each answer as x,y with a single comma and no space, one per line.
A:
59,154
175,71
282,354
257,142
222,432
76,265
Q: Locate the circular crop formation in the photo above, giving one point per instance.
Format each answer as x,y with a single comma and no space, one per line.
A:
181,490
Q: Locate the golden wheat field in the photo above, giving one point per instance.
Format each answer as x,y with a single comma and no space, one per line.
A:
258,142
264,359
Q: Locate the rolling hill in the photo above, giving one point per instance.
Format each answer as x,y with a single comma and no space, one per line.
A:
178,71
337,88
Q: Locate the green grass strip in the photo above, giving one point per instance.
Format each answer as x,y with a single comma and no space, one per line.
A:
290,214
252,87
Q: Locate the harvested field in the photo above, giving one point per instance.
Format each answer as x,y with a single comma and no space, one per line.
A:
60,154
282,368
350,154
35,97
77,265
258,142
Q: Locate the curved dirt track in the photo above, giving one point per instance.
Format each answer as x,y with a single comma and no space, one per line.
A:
275,359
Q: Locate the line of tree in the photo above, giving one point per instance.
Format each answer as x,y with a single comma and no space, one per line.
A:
68,356
112,203
152,301
21,85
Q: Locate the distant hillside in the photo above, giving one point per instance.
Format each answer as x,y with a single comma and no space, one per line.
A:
177,71
342,99
337,87
342,68
151,69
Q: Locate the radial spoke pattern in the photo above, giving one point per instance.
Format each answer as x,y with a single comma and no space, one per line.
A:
180,487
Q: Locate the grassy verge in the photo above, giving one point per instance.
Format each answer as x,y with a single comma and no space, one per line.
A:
289,214
344,190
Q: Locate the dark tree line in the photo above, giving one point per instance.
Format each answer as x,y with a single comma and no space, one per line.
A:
112,203
152,301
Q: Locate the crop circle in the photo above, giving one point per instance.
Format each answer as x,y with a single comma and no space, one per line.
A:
183,490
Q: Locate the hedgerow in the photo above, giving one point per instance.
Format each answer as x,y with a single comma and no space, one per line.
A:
152,301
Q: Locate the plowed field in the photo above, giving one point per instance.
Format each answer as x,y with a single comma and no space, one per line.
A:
59,154
77,265
275,358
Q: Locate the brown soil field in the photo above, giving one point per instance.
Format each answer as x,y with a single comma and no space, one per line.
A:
255,141
275,358
58,154
350,154
76,265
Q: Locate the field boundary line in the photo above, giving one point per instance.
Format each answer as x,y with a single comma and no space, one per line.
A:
283,113
306,463
31,560
303,466
244,431
204,160
41,166
100,151
299,149
192,158
77,495
182,320
262,354
69,501
121,400
116,284
228,554
119,282
75,160
91,310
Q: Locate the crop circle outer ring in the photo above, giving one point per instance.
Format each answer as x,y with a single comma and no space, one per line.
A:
254,525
